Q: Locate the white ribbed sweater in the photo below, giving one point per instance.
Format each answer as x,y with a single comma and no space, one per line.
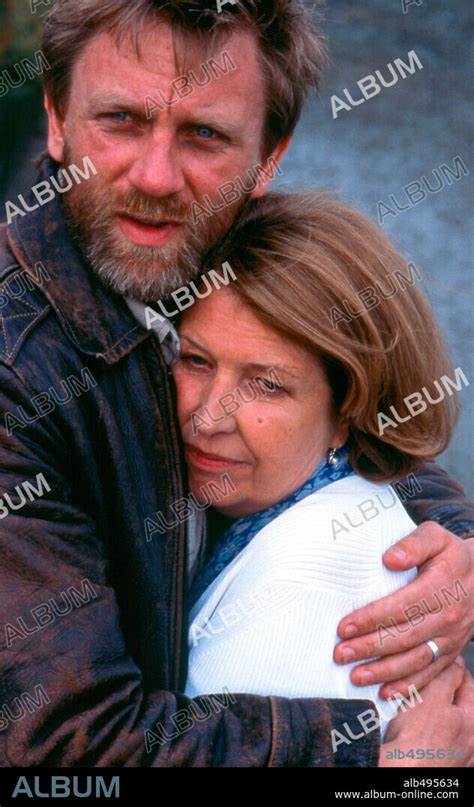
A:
267,624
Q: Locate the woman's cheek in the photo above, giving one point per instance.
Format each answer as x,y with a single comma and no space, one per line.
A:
188,391
264,426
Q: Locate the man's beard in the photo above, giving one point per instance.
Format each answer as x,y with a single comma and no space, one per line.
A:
145,273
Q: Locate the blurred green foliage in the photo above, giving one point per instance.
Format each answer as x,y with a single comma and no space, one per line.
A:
21,109
20,30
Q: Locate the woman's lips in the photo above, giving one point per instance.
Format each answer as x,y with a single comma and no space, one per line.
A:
147,234
210,462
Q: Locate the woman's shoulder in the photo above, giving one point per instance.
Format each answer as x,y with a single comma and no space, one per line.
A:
346,505
347,526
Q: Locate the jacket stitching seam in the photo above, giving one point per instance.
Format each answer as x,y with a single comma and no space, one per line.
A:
276,744
135,328
66,322
9,353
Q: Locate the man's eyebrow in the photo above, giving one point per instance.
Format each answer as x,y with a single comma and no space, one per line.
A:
109,101
206,110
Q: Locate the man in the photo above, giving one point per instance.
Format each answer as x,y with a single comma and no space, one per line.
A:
94,652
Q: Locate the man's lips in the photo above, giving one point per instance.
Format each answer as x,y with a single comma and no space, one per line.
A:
147,233
210,462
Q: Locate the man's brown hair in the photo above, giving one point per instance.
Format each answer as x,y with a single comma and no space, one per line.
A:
302,262
291,50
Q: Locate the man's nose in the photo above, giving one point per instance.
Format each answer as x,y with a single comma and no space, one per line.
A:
157,171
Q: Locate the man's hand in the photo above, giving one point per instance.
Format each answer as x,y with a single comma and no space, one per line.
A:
437,605
442,722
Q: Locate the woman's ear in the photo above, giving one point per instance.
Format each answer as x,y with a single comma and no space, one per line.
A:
341,435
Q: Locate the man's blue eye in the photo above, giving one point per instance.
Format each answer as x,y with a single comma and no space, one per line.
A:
120,116
204,131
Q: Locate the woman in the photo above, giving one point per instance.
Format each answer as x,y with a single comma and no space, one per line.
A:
288,383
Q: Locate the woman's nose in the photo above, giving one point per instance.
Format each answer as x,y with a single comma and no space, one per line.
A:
218,410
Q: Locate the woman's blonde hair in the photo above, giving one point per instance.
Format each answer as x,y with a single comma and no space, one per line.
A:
327,278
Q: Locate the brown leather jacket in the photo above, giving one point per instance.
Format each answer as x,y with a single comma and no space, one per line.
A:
92,615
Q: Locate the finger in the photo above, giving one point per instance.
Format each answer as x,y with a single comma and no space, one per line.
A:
419,679
413,603
424,543
438,681
386,611
396,639
399,665
464,697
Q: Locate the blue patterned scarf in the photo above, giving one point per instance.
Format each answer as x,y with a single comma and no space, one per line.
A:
241,532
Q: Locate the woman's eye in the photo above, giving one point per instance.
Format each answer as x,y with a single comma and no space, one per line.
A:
267,385
193,360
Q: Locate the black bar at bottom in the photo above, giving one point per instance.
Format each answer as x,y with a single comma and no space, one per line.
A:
344,786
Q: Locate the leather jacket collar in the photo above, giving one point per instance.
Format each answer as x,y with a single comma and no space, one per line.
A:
95,319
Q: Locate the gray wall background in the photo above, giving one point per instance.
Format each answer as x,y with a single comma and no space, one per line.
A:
393,139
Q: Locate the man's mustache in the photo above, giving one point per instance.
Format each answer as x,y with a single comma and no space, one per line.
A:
151,211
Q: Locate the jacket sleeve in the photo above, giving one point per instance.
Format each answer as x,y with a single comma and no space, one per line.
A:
432,495
70,692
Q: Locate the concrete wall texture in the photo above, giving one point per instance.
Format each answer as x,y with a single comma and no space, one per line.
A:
394,138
